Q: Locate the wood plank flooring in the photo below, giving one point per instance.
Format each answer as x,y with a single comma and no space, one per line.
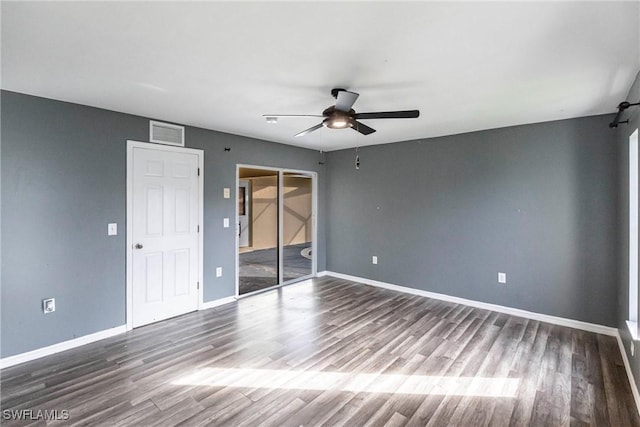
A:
332,352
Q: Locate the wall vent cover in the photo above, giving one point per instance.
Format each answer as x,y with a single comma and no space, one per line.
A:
166,133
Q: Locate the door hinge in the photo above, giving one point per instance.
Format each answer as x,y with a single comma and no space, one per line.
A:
197,285
198,228
198,171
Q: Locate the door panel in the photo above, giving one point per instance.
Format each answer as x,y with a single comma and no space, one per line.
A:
297,222
182,222
154,211
153,277
165,220
181,276
258,264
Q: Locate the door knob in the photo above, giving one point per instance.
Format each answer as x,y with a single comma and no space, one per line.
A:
138,246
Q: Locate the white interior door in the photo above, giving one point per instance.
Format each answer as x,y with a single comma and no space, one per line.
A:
244,232
165,212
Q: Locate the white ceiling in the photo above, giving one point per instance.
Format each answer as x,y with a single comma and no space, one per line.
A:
222,65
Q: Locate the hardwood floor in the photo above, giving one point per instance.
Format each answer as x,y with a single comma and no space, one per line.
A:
332,352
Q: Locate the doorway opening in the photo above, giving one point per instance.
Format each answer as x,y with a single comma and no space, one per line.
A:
276,227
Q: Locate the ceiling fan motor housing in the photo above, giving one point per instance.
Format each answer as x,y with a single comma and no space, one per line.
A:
336,119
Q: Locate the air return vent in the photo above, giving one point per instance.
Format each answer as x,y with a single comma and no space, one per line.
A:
165,133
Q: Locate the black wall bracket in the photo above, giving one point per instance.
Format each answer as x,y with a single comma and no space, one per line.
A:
621,107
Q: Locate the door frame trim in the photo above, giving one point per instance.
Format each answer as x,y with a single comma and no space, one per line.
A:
248,208
314,223
131,145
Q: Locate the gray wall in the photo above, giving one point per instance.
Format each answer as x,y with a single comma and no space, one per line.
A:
623,132
63,180
537,202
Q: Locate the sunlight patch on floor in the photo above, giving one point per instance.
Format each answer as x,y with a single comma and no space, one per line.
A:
351,382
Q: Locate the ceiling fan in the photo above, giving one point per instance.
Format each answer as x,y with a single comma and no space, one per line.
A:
342,116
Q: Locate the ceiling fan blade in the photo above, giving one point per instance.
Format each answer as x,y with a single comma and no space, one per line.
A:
408,114
311,129
292,115
362,128
345,100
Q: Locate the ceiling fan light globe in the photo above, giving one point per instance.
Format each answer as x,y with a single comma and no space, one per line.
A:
338,122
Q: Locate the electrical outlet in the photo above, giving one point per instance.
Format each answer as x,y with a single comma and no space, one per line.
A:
226,192
218,271
225,222
502,277
374,259
48,305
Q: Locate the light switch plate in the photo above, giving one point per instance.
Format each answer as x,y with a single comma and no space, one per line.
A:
218,271
225,223
112,229
48,305
502,277
227,193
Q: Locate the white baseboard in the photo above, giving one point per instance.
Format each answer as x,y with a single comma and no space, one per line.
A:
322,273
627,367
62,346
216,303
577,324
